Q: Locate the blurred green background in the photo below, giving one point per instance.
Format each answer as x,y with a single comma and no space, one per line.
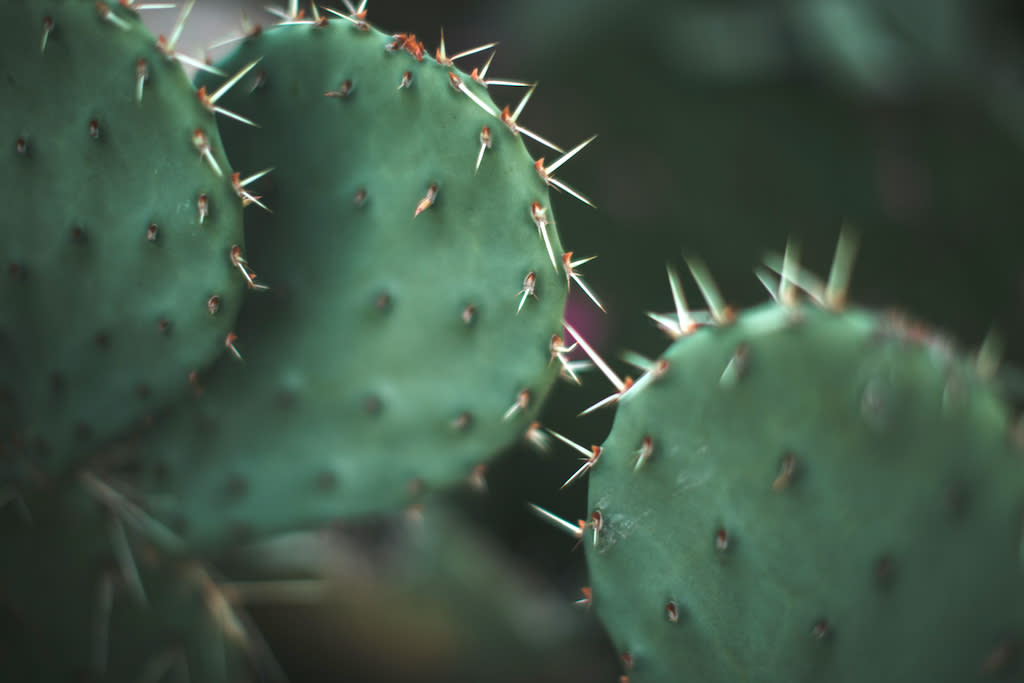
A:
725,127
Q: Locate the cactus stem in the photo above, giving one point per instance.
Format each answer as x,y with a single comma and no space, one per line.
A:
574,530
529,289
571,274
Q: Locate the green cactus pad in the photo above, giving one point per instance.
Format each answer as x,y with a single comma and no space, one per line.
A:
115,286
81,599
823,496
390,356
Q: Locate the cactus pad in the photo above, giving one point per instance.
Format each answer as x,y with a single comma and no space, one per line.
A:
118,225
811,495
407,334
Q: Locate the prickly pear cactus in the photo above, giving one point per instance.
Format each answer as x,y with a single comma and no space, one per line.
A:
82,597
416,285
805,493
119,224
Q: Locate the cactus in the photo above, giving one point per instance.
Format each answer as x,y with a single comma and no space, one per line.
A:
801,491
84,597
415,291
807,492
120,220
